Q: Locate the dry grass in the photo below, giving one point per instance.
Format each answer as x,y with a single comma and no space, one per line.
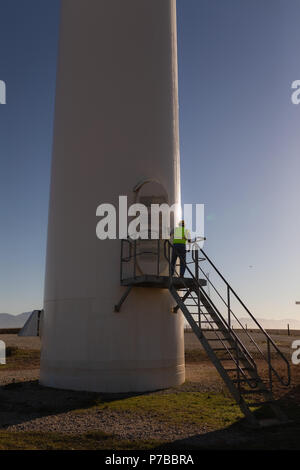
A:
21,359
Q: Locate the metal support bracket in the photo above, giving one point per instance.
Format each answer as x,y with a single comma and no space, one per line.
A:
175,309
117,308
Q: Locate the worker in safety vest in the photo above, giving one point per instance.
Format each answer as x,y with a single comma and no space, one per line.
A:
181,236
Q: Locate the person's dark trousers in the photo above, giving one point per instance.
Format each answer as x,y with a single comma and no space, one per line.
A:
179,251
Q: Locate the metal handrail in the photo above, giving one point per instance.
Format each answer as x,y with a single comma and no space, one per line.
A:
237,341
134,254
270,341
220,316
195,276
229,308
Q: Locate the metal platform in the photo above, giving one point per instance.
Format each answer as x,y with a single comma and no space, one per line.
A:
161,282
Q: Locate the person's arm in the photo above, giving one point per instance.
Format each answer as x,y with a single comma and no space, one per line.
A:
187,236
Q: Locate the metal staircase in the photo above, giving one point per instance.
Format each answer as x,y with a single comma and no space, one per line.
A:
213,310
224,345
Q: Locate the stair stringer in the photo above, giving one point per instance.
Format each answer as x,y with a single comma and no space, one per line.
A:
214,359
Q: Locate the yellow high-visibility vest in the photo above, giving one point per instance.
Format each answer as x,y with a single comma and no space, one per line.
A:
181,236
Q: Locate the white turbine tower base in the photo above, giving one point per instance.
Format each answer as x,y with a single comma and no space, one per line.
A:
116,124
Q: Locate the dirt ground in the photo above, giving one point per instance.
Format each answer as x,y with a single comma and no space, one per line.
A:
198,414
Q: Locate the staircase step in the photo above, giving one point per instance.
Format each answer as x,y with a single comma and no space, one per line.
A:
249,392
250,379
224,349
260,403
266,423
220,330
241,368
218,339
231,358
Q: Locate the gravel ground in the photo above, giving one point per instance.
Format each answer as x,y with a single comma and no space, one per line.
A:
122,424
26,406
16,376
21,342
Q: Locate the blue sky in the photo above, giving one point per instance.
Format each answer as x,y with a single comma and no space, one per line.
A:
240,143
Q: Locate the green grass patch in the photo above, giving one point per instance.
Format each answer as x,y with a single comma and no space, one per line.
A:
57,441
215,410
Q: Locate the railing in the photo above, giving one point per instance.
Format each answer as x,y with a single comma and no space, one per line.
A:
238,342
130,260
232,318
229,318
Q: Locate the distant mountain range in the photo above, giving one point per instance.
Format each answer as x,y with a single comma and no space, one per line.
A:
13,321
17,321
